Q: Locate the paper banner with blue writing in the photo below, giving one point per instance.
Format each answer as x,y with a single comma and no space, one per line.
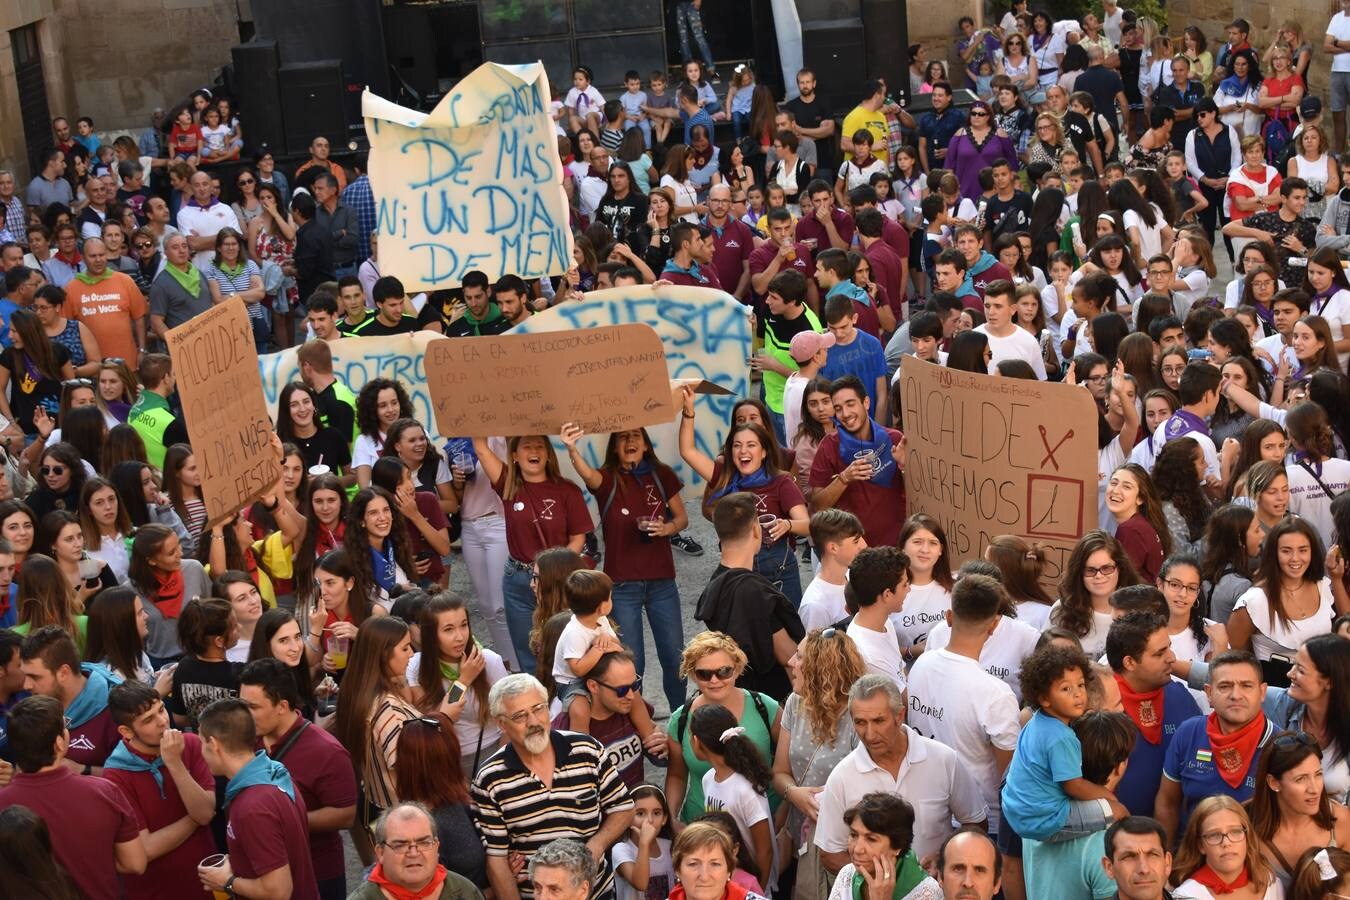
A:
989,456
474,184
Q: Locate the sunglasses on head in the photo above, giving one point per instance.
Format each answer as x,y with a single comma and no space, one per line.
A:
77,382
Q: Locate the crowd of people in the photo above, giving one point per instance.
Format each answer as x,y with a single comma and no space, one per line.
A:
191,706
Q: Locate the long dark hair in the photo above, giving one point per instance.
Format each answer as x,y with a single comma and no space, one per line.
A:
126,480
1176,482
1268,574
364,682
85,430
1125,197
967,353
260,647
26,857
1075,603
1249,454
1226,543
1283,753
1020,563
40,349
339,562
709,724
1232,334
1150,506
1127,264
306,555
1332,660
285,425
942,569
771,460
123,444
121,523
1045,212
809,427
175,460
113,634
1197,619
429,677
357,540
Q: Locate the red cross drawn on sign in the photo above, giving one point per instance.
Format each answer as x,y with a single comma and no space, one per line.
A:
1050,451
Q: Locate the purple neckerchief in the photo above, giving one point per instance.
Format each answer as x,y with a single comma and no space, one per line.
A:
1266,315
1301,458
1325,297
1181,424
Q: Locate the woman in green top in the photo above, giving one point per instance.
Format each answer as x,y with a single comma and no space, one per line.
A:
46,598
715,662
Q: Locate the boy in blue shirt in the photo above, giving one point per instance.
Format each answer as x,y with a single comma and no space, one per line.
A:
1045,796
633,99
691,113
854,352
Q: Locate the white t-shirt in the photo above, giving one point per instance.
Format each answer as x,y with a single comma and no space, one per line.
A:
1336,310
953,700
1018,345
1150,239
1197,286
1206,446
880,650
1275,346
206,222
1094,642
747,806
1050,302
1013,640
573,643
685,195
794,389
1309,501
239,652
660,871
1232,295
1190,889
467,728
1272,636
1111,24
366,450
1339,28
855,177
585,102
926,605
822,604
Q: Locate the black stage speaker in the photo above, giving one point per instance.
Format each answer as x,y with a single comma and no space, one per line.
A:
312,95
887,39
257,87
833,49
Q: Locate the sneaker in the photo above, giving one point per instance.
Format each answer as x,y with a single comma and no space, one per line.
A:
686,544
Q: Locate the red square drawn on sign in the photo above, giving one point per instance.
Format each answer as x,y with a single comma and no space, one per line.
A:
1054,507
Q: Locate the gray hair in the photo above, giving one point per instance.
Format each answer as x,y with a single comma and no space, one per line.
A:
1095,54
566,854
405,810
328,178
868,686
513,686
129,169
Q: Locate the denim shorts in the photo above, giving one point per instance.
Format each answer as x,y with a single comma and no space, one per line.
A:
570,689
1340,91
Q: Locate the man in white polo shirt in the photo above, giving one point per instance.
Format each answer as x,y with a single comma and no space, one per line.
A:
893,758
1007,339
202,218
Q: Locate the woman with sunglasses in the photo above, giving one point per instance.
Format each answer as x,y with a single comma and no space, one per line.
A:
61,476
1221,855
819,734
715,662
976,146
1018,65
145,247
1317,701
247,207
34,366
1293,810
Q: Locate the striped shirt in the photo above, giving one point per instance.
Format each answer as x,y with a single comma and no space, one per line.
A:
516,812
237,284
386,724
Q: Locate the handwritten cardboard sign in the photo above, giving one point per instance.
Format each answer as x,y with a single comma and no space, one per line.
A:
603,379
990,456
474,184
216,367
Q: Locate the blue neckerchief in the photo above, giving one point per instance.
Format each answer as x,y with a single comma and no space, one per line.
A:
693,270
707,220
643,467
1233,86
384,566
850,444
94,698
262,769
851,291
126,760
738,482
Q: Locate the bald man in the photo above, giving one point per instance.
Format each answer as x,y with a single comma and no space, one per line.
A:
733,242
110,304
969,866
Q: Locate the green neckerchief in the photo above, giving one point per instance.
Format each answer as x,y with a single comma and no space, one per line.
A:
494,313
190,281
451,671
233,271
88,278
908,875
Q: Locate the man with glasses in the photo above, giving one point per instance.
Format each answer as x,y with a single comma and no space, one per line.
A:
320,766
732,242
110,304
267,833
585,798
613,683
406,849
1216,754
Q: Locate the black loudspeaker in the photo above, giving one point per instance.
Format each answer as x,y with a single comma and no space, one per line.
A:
832,49
312,96
256,85
887,39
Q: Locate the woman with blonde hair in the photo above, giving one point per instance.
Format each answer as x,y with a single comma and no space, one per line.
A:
1047,143
820,734
1289,37
1220,855
1316,164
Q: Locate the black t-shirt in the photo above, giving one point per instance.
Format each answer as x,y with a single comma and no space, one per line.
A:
1079,131
27,393
338,415
655,257
1130,60
1102,84
1008,216
197,684
810,115
496,323
746,606
373,327
623,217
327,446
440,307
349,329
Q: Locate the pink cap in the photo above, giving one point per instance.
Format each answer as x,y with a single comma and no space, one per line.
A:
807,344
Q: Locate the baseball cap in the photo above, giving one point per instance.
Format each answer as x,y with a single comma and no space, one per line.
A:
807,344
1309,107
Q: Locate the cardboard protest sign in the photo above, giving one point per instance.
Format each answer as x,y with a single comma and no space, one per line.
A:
603,379
474,184
214,363
990,456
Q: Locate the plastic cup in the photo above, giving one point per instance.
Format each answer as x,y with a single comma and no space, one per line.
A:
320,469
869,457
766,522
648,524
339,647
215,861
811,243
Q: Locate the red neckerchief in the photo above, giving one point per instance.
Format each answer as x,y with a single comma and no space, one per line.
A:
1234,753
1145,709
700,158
1217,886
72,260
169,593
328,539
328,624
433,887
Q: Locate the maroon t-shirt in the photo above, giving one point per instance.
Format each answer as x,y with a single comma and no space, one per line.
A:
894,235
555,510
429,505
880,509
994,273
86,816
322,771
268,830
886,272
91,742
733,247
631,556
808,227
175,873
708,277
762,255
772,499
